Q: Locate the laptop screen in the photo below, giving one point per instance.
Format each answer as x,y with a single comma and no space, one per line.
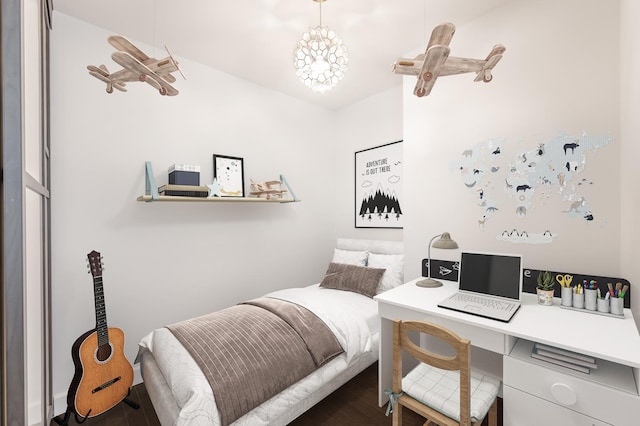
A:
492,274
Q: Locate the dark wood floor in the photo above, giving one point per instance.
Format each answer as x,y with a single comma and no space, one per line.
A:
355,403
122,414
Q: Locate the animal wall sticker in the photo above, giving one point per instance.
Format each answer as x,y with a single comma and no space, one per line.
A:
550,168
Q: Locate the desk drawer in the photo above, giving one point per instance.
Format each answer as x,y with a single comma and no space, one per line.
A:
522,409
480,337
583,394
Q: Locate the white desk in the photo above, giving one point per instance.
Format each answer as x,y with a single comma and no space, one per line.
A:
533,390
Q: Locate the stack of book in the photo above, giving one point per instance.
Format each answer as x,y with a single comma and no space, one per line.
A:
564,358
184,190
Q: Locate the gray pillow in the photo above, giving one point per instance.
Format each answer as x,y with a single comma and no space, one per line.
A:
358,279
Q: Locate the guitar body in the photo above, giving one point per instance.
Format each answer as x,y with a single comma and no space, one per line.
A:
103,375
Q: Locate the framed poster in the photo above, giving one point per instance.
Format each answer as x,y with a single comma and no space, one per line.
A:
378,192
229,174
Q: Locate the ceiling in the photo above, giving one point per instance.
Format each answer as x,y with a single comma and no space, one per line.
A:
255,39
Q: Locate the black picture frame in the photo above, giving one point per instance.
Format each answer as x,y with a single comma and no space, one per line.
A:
228,171
378,187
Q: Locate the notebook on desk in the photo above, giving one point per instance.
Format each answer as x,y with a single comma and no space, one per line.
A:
489,286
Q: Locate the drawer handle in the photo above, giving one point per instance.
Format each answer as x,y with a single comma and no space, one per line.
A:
563,394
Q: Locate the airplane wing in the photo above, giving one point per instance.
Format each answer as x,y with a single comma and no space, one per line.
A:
492,59
436,57
124,45
441,35
168,77
144,73
102,74
125,75
102,70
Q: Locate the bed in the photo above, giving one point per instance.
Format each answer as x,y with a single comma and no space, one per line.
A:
183,395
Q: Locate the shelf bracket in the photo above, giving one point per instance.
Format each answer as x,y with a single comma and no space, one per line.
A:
150,187
285,183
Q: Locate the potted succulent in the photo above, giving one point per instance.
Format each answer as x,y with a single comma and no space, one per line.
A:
544,290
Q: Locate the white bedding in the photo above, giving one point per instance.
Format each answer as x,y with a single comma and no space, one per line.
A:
353,318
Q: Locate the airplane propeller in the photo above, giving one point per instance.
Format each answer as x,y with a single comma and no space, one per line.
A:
175,63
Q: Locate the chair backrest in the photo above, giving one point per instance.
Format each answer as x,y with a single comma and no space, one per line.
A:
460,361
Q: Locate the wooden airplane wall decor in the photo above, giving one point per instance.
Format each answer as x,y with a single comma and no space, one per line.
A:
137,66
269,189
436,62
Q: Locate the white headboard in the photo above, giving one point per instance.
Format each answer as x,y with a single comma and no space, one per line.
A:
374,246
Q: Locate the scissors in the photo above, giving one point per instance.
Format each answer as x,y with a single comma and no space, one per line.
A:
564,280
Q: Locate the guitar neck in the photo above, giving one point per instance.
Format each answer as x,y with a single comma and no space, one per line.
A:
101,311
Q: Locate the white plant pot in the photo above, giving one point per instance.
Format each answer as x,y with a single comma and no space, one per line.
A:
545,297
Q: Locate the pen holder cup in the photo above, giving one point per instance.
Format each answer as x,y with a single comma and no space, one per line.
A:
566,296
617,304
578,300
590,297
603,305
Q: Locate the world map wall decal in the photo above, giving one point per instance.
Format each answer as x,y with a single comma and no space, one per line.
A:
551,168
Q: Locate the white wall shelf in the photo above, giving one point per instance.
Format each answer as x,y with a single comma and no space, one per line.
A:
151,193
148,198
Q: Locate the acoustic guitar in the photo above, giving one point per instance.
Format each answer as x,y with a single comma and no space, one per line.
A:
103,375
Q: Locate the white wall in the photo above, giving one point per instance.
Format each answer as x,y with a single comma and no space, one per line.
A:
560,72
166,262
374,121
630,149
169,261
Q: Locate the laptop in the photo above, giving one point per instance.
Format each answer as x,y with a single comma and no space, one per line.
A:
489,286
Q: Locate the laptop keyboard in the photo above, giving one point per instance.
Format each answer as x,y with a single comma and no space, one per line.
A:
483,301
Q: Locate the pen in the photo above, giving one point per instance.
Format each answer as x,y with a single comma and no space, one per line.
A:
610,288
624,290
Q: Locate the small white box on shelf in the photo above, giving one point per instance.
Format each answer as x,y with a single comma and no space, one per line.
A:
184,168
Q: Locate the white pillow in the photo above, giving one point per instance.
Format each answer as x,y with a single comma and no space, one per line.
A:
349,257
394,265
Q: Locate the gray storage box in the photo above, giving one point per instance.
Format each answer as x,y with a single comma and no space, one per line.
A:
184,174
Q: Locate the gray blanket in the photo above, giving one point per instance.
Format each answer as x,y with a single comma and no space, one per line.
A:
252,351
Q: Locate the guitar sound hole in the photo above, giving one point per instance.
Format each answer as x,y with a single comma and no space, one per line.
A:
103,353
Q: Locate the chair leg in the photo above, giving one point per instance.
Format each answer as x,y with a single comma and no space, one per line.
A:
397,415
493,413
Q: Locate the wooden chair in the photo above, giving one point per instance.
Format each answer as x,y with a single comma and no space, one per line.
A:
442,389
